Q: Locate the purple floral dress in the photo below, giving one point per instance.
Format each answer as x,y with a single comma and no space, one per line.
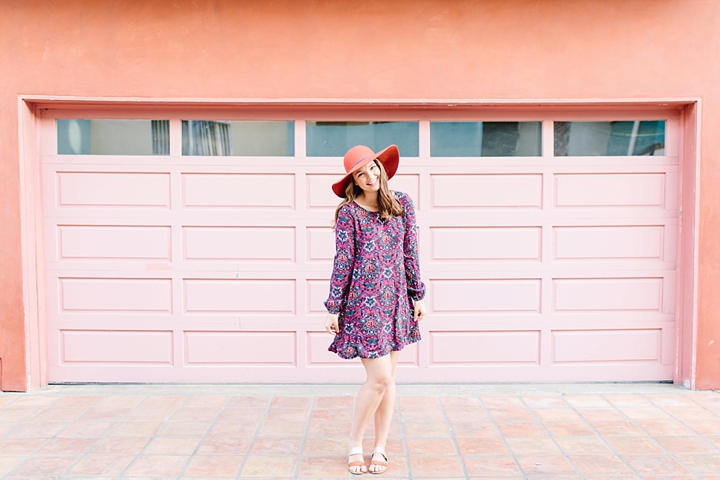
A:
376,275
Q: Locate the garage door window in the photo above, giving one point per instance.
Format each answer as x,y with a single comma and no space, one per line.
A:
625,138
333,139
113,137
238,138
485,139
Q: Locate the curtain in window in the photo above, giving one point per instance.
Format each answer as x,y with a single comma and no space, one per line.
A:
203,137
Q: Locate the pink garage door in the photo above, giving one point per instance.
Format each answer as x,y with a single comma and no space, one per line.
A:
200,250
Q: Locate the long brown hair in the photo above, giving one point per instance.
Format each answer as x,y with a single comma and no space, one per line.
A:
388,205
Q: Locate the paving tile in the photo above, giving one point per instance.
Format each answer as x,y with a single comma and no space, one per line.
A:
685,445
569,428
291,402
683,413
481,446
206,401
151,413
645,413
325,446
583,445
215,465
77,401
225,445
282,429
586,401
704,427
120,446
276,446
157,465
532,446
714,439
507,414
241,414
431,466
104,414
8,463
20,446
332,415
430,446
423,415
96,465
324,467
16,414
7,399
37,430
546,465
700,464
57,415
503,401
340,401
184,429
135,429
129,401
632,400
35,401
488,466
466,414
233,429
39,466
249,401
615,428
172,446
86,430
460,402
600,465
521,429
65,446
263,466
557,414
429,429
634,444
163,401
287,415
670,400
663,427
418,402
195,414
654,464
549,401
601,414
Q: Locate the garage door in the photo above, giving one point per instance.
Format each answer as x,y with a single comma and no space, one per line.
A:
197,248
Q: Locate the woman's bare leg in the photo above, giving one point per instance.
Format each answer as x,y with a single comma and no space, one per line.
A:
384,413
379,378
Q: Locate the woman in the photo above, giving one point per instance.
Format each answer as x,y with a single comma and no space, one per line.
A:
376,295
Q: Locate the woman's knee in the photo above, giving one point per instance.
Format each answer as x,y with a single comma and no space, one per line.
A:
382,382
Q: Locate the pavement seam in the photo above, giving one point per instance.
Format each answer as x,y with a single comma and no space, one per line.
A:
502,438
296,474
402,437
162,427
254,437
203,437
453,440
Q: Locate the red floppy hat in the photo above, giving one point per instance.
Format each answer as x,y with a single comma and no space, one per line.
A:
359,156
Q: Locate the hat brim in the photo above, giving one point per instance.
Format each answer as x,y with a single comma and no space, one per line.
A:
389,157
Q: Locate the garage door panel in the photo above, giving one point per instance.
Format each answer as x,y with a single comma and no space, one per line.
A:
484,347
610,242
488,191
239,296
320,244
111,242
108,189
317,293
609,346
240,348
601,294
239,243
497,295
256,191
116,347
610,190
115,295
485,243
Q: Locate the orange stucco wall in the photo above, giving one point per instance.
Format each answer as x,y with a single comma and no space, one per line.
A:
375,49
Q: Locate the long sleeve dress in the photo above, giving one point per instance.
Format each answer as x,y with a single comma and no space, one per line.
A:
376,275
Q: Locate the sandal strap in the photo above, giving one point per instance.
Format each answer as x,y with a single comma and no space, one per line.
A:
379,451
356,451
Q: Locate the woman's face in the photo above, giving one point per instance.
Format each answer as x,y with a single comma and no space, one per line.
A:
368,177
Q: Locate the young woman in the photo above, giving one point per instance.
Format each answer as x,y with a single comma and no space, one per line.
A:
376,295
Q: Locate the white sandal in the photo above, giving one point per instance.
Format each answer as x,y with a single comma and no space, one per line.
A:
357,463
381,463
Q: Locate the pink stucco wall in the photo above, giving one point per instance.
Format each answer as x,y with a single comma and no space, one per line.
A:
416,50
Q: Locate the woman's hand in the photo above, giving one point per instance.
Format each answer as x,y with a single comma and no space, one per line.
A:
331,323
420,309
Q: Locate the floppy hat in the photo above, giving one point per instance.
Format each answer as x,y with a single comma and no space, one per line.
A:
359,156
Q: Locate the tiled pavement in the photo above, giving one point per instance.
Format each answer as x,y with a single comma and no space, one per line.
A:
280,431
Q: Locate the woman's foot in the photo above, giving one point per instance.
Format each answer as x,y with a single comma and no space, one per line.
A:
378,461
356,461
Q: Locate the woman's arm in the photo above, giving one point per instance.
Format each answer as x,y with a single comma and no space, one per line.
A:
344,260
415,286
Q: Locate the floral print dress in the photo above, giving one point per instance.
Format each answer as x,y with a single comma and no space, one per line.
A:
376,275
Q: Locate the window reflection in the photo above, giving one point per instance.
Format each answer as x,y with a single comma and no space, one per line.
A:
333,139
238,138
113,137
621,138
485,139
